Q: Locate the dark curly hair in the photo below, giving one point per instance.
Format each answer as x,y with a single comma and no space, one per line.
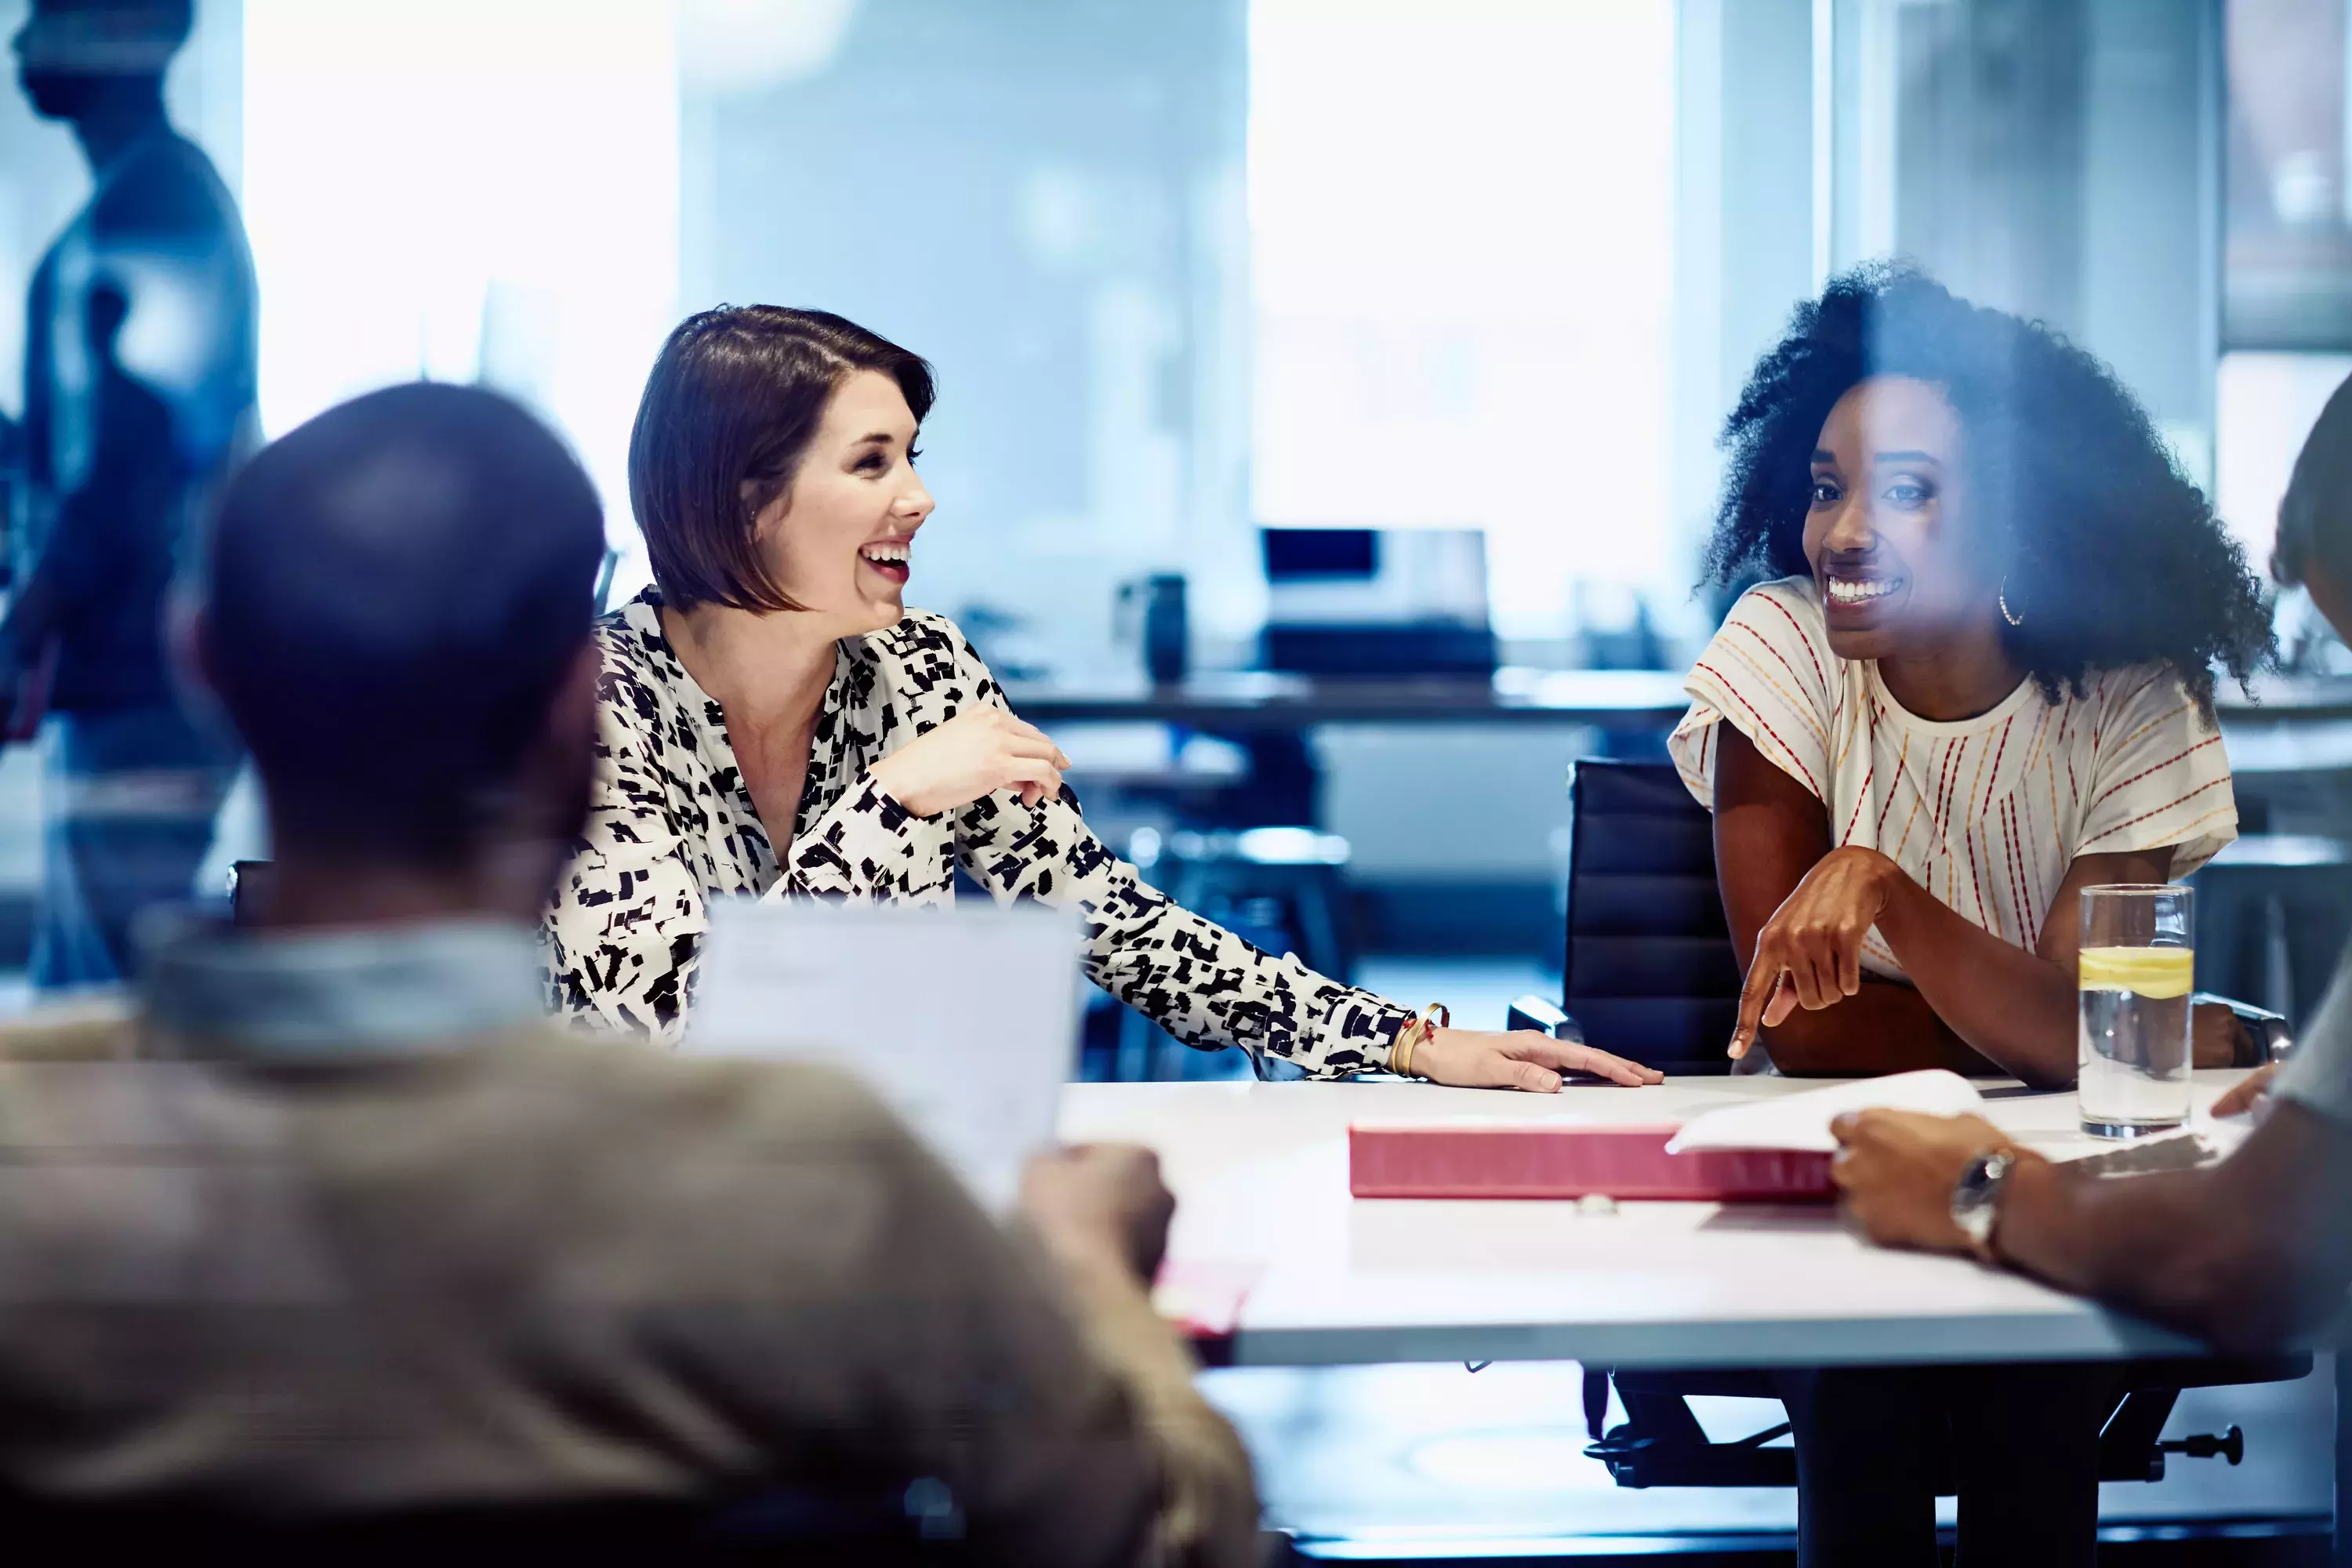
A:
2114,558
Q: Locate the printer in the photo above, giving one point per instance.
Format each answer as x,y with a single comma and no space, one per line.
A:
1391,602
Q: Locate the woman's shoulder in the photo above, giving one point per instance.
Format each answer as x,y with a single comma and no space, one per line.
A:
1780,609
2134,685
2132,700
920,631
931,663
1778,628
926,642
633,630
1769,673
639,664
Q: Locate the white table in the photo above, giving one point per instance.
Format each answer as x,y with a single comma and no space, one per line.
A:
1260,1171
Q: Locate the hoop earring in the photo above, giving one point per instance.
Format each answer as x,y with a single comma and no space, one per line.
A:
2012,617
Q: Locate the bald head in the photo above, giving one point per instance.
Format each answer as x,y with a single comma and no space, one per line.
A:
396,591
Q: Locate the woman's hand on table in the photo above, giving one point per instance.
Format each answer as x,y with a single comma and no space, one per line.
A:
1485,1059
977,752
1809,954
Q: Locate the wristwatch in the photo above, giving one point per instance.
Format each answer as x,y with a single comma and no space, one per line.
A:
1976,1197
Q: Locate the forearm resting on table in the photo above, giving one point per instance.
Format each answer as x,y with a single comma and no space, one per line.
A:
2245,1255
1772,843
2013,1009
1884,1027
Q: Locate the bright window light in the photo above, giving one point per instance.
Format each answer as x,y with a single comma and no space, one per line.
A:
463,189
1462,220
2264,407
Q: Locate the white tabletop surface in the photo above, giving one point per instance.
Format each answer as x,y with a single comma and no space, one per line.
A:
1260,1171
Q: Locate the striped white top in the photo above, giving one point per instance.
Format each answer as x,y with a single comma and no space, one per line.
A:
1987,813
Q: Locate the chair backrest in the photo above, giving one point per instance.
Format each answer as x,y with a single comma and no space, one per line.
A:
1650,971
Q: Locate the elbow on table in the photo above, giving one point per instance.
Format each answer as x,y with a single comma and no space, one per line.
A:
2046,1077
1801,1052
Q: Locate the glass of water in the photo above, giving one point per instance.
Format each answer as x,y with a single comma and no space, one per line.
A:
2137,971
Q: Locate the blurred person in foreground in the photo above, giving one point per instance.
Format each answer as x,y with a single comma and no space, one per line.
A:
139,393
2245,1254
336,1226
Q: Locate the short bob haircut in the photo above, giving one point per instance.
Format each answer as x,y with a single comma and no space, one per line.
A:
727,414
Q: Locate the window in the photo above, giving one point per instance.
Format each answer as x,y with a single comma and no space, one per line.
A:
1461,221
465,189
2288,259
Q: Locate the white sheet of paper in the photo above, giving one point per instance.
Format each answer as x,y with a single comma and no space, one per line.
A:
964,1020
1803,1120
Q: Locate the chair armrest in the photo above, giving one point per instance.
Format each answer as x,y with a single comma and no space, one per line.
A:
2274,1039
1532,1012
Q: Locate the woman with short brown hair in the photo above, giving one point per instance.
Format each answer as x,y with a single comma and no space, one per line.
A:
776,722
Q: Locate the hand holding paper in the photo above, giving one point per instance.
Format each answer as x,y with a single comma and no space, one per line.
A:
1803,1120
964,1020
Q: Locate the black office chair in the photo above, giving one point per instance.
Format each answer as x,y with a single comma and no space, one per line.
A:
1649,970
1650,975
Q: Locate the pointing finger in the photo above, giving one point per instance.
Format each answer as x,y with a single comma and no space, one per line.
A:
1763,978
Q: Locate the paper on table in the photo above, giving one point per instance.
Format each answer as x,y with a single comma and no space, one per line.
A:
964,1020
1803,1120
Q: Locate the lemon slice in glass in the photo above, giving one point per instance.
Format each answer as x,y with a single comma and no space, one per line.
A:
2156,973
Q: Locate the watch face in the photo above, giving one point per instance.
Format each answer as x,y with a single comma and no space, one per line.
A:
1974,1197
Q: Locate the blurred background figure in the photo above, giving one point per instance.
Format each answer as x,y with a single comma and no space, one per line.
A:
138,392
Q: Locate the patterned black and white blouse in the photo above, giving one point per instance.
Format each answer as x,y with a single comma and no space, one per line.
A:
672,827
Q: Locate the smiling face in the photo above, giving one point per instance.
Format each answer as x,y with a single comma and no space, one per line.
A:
838,540
1902,566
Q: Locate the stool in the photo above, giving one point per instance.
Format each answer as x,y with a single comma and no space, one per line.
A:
1282,888
2272,912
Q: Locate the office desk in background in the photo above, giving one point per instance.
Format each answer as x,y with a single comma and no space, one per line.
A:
2282,699
1614,699
1260,1172
1243,700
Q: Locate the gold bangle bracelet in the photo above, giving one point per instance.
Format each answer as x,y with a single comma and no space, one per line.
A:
1433,1018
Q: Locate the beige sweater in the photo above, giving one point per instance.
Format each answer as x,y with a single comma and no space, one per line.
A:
533,1268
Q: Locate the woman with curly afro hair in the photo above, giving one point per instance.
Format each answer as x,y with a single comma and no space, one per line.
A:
1980,679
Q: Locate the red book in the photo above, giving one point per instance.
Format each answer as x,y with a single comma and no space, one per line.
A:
1563,1160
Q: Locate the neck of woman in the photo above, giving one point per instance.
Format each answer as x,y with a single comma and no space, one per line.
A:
767,670
1963,677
